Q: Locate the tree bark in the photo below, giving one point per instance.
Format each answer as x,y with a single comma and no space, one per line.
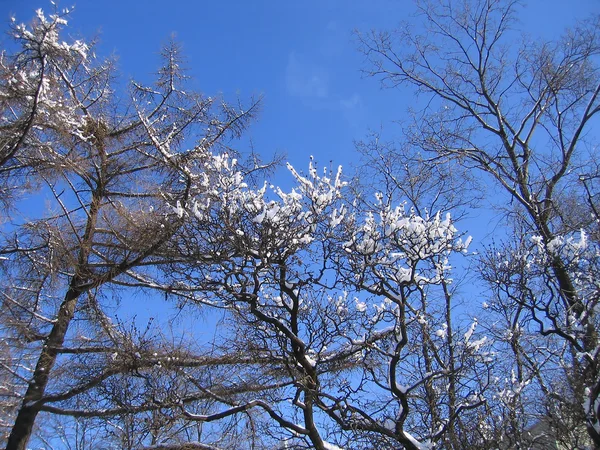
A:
30,407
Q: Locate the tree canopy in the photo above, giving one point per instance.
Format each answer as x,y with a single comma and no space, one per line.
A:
346,309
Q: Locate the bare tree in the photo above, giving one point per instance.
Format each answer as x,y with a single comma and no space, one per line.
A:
519,114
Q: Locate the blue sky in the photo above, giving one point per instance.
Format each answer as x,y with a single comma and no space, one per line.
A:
301,56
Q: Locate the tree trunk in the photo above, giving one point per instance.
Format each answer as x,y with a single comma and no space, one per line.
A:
23,427
30,407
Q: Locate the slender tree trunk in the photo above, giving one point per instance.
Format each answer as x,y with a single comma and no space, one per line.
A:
23,427
30,407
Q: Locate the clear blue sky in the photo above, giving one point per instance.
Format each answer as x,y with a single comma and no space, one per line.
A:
300,55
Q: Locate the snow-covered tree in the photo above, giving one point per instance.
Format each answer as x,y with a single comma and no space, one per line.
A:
346,309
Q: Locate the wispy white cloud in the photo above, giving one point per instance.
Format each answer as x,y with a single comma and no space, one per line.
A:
352,102
305,79
310,83
352,109
332,26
